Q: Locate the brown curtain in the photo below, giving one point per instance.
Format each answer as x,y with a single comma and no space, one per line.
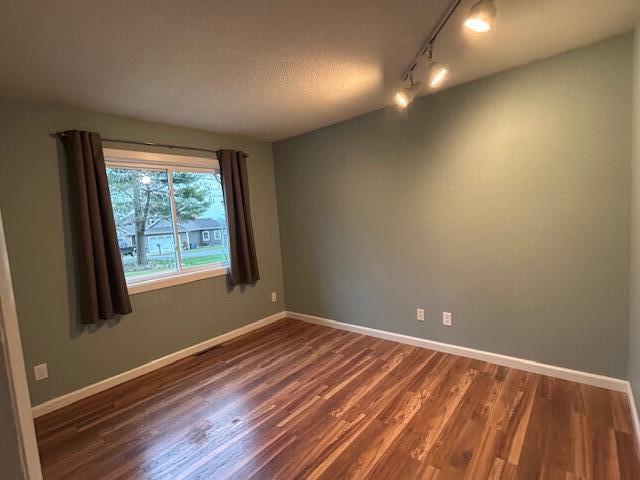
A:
235,183
103,288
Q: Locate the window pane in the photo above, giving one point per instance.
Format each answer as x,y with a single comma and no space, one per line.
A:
144,223
201,219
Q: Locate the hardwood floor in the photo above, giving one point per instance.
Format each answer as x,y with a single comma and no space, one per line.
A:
295,400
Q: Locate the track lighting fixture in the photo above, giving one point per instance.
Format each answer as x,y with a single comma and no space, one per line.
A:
480,19
481,16
406,95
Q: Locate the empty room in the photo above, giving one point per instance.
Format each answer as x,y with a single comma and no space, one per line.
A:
295,239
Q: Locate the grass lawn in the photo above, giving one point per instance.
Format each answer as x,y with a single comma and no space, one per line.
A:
159,266
195,261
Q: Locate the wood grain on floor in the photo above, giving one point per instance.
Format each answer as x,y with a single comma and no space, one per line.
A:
295,400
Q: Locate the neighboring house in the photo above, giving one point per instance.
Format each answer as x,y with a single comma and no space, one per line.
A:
201,232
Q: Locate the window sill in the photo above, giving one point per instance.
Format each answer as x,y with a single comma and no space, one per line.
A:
178,279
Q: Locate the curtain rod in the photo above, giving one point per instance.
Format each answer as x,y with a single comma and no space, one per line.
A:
150,144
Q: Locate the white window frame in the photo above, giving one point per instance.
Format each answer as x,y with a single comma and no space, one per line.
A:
208,238
217,234
116,158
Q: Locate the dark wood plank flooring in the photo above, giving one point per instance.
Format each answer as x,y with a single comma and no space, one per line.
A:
295,400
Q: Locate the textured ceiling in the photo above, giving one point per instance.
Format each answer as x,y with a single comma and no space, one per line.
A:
268,69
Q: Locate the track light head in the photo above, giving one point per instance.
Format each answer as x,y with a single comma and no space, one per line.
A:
481,16
436,74
405,96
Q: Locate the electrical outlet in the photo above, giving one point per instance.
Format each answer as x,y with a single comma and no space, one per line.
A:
420,314
40,372
274,297
447,319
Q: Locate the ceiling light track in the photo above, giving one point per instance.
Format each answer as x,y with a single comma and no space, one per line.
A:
480,19
427,46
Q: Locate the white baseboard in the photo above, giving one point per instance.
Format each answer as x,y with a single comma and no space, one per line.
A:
610,383
634,413
69,398
504,360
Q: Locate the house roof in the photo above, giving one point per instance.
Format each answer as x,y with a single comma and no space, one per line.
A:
162,226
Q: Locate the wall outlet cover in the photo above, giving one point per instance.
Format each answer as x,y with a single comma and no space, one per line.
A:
447,319
420,314
274,296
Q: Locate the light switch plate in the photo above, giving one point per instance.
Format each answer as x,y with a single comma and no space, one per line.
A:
40,372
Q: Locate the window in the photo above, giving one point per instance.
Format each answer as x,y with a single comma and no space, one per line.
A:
164,207
217,235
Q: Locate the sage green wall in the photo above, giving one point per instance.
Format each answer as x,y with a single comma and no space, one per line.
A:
504,201
33,203
634,321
